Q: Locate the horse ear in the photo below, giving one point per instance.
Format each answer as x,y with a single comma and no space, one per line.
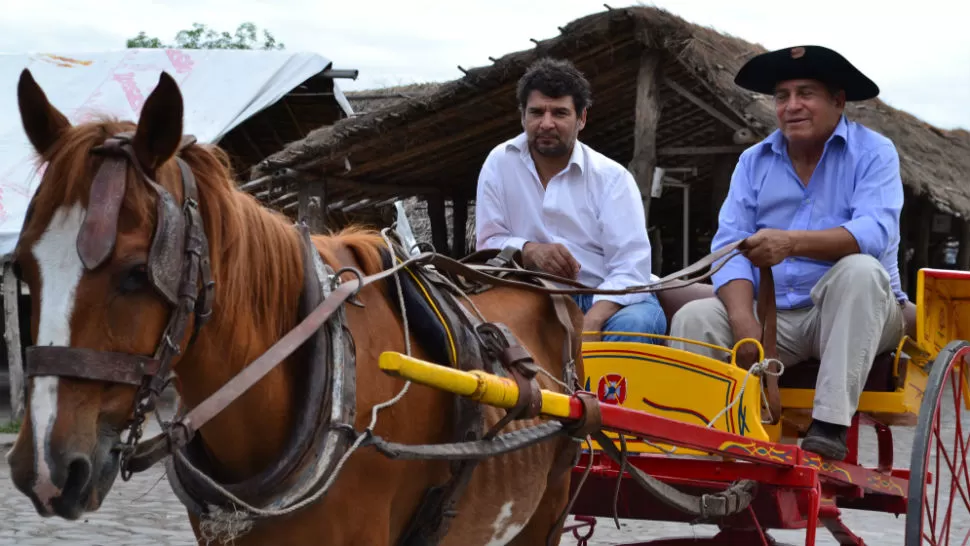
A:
160,125
43,123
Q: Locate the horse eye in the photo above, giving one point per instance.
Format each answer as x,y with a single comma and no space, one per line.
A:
135,280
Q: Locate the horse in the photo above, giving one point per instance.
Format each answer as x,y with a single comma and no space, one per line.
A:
88,253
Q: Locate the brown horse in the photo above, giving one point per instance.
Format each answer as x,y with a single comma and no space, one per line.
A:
66,456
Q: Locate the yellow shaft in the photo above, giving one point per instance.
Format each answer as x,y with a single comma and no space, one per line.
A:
480,386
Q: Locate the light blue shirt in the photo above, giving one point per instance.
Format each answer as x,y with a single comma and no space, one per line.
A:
856,185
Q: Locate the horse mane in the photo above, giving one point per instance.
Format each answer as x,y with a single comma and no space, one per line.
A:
259,245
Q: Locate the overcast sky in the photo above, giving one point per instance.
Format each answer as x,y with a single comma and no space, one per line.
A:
917,52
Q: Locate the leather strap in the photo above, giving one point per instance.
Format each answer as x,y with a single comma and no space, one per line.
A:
499,276
768,315
251,374
731,501
89,364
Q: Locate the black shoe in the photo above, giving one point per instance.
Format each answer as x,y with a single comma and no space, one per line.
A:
827,440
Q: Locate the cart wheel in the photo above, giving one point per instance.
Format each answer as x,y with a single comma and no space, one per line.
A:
939,480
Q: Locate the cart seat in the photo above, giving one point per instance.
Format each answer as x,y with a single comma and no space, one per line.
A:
804,374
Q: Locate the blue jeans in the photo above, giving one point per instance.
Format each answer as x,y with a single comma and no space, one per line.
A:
646,317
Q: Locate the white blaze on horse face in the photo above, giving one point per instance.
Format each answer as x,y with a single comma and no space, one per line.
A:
503,529
60,271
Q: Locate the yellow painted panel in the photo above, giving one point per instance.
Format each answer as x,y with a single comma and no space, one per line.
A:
675,384
943,308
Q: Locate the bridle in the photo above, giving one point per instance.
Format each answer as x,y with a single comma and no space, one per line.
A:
178,268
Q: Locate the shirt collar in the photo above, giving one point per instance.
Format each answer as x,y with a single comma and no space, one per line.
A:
777,140
521,145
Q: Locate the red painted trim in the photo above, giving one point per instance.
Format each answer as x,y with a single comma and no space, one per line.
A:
620,419
946,274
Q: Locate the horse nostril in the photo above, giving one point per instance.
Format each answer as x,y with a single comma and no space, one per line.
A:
78,473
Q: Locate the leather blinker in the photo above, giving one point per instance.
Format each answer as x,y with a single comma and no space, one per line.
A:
165,258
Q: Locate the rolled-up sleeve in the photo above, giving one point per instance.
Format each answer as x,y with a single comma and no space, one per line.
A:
626,246
491,228
736,221
877,201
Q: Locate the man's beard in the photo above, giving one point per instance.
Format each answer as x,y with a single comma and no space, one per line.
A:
558,149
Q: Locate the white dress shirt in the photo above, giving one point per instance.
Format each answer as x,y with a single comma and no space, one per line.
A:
592,207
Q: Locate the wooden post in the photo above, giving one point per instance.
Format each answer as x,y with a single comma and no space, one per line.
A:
963,256
11,335
459,219
921,258
904,243
647,117
312,205
722,172
439,224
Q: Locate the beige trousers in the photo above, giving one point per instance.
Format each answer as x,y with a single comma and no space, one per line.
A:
855,317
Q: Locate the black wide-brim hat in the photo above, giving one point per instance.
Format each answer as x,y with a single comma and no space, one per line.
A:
762,73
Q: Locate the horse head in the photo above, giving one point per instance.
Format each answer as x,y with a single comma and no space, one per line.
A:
93,254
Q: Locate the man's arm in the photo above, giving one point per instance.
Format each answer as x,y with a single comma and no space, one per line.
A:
825,244
623,236
491,229
626,249
876,204
734,282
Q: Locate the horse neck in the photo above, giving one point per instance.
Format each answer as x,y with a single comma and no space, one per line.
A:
257,267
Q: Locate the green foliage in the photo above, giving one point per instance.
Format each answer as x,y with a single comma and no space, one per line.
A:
203,37
12,427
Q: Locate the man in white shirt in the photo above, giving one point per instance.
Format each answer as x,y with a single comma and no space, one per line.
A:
571,211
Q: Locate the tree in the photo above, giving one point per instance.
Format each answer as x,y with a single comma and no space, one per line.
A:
203,37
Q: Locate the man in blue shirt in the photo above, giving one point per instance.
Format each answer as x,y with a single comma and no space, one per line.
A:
819,201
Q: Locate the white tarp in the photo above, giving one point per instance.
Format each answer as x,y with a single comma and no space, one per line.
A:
220,89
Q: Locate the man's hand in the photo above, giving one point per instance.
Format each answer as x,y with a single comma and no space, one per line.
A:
551,258
738,299
768,247
748,327
597,316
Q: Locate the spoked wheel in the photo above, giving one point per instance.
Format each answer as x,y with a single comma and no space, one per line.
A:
938,511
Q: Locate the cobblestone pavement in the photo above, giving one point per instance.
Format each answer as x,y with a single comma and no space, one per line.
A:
144,511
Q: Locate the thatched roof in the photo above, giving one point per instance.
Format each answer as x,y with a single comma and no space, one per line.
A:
434,144
371,100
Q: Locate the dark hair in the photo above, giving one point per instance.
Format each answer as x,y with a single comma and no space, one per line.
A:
555,78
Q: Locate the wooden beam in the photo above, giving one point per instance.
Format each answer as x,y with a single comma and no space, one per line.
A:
358,205
702,150
439,224
459,217
338,183
646,120
312,197
963,255
11,335
256,183
904,244
295,121
722,172
284,198
717,114
921,258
